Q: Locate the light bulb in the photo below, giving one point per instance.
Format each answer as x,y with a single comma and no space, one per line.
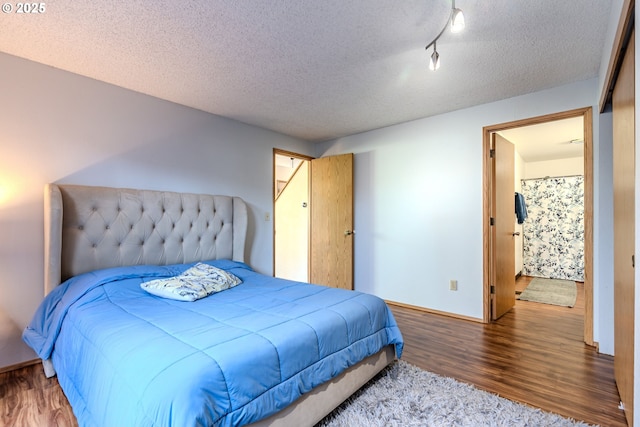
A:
434,63
457,21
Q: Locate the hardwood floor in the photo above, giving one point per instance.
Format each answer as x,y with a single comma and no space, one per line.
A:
534,354
29,399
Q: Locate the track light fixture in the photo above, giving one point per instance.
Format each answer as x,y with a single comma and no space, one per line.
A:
434,63
456,19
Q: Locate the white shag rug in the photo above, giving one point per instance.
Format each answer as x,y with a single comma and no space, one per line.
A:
405,395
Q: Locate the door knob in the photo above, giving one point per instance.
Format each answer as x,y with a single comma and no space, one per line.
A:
517,233
348,232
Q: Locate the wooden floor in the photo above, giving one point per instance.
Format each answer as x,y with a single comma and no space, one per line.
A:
534,354
28,399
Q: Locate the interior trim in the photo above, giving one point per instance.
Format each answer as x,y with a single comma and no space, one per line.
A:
19,365
431,311
587,114
620,41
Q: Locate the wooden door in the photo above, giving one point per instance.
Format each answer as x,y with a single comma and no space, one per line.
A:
624,227
331,251
503,208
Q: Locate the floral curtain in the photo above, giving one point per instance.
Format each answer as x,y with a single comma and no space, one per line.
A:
553,233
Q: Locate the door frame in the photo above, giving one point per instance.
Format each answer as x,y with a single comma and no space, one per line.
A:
487,192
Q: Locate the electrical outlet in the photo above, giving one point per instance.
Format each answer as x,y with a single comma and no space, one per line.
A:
453,285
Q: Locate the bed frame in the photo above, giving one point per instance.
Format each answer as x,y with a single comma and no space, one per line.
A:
90,228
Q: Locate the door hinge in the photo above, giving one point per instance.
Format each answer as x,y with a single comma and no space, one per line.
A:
492,153
493,289
492,221
633,261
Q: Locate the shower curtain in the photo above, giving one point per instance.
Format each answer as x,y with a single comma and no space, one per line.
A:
553,233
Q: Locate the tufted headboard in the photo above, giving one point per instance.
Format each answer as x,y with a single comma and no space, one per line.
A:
90,228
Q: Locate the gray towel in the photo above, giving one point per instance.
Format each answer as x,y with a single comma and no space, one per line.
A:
521,208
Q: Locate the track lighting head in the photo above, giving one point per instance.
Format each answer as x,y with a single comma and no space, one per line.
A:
457,21
434,62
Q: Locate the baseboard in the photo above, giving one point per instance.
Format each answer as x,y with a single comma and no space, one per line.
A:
438,312
18,365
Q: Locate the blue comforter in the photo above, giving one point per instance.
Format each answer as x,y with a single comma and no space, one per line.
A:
127,358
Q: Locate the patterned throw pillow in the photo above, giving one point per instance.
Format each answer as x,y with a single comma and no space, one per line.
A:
197,282
213,273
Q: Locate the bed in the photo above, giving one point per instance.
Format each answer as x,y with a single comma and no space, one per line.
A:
266,351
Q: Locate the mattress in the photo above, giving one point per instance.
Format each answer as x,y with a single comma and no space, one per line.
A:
125,357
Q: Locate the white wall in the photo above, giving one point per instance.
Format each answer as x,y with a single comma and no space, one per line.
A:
59,127
614,17
603,205
603,234
428,172
560,167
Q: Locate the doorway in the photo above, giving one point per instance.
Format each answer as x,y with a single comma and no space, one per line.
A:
324,205
291,217
491,261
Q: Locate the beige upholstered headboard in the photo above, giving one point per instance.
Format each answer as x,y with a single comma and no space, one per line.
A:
89,228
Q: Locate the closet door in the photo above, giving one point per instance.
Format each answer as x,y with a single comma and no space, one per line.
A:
624,226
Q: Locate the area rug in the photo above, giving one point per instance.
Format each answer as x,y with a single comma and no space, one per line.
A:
404,395
550,291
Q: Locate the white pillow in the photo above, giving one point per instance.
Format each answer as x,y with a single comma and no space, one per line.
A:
197,282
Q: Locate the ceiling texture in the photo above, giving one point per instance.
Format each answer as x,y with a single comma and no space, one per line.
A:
316,69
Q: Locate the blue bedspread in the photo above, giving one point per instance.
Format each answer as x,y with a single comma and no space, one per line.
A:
127,358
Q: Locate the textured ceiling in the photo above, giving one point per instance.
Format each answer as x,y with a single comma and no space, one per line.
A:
316,69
